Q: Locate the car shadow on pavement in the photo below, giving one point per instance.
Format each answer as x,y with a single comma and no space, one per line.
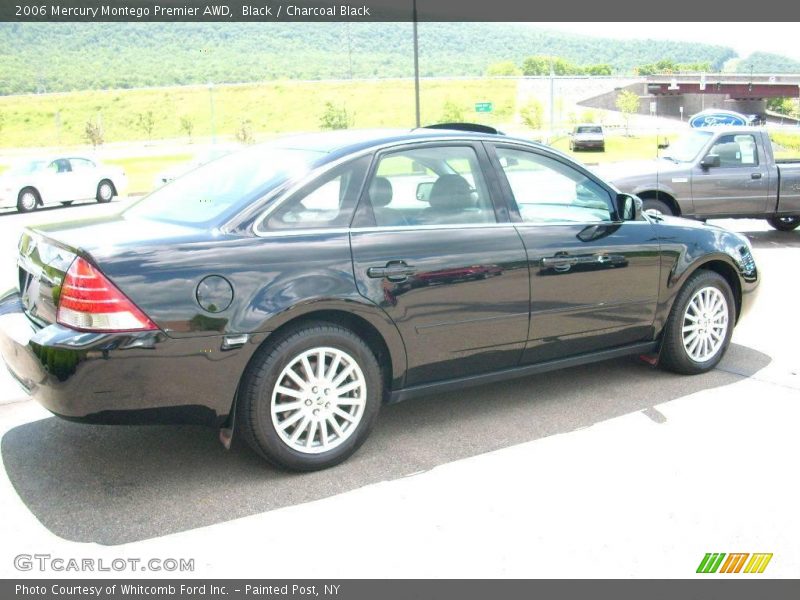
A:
113,485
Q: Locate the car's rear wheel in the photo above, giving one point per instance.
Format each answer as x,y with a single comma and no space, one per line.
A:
310,399
784,223
700,324
27,200
657,206
105,191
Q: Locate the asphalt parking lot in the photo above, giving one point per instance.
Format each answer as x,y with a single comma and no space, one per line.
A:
609,470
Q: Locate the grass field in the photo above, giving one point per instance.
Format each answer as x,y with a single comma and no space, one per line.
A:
618,148
275,107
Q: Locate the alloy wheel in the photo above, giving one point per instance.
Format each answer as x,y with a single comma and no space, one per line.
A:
705,324
318,400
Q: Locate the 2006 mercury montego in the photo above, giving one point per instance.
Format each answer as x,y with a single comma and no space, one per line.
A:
287,291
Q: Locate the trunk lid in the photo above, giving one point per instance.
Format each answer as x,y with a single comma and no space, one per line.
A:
46,253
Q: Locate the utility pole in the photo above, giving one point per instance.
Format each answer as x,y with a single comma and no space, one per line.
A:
211,108
552,99
416,65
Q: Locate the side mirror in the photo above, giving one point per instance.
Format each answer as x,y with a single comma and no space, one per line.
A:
424,191
629,208
710,160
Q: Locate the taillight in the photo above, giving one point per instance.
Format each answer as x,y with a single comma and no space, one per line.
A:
90,302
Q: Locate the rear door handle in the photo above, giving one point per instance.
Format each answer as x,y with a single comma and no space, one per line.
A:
755,176
396,270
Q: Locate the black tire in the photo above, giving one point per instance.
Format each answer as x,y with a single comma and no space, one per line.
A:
105,191
28,200
784,223
254,416
657,205
674,355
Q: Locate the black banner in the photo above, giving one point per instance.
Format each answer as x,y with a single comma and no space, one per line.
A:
396,10
705,589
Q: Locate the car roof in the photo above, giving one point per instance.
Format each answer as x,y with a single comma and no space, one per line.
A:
348,141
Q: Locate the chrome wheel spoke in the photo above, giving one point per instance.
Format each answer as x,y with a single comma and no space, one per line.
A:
705,324
318,400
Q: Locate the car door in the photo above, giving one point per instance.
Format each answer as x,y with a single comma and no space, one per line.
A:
594,278
85,177
739,185
56,183
432,249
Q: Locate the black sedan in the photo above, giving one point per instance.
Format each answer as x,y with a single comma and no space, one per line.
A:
286,292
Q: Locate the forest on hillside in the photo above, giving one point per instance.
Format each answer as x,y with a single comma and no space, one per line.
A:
57,57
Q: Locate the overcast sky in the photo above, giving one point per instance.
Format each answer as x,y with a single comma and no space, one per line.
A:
745,38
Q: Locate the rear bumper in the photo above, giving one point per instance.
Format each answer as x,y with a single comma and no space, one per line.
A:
588,143
142,377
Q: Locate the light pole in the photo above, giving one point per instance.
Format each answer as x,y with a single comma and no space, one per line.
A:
416,65
211,107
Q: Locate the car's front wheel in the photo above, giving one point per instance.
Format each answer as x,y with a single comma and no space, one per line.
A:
27,200
784,223
700,325
310,398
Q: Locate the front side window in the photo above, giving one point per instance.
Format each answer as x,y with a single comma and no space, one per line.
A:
735,151
549,191
81,164
437,185
328,201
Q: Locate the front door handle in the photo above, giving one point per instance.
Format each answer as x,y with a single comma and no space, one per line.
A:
395,270
755,176
559,261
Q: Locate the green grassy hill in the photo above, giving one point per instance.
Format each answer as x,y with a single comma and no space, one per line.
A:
268,108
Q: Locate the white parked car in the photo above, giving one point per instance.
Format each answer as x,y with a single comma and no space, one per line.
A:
42,182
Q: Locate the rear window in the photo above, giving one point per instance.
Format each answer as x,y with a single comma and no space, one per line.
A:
224,186
588,130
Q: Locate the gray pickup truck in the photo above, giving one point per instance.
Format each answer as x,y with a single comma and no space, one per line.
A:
716,172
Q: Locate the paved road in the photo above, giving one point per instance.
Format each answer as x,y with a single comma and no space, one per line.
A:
614,469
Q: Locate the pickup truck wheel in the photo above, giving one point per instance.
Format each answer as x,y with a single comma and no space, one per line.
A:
700,325
657,206
27,200
784,223
311,398
105,191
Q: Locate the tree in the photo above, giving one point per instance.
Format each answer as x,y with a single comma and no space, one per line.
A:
2,121
335,117
452,112
504,68
187,126
541,65
532,114
628,104
244,134
93,132
147,122
601,69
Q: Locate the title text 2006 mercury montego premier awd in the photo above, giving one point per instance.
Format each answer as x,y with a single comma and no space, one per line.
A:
287,291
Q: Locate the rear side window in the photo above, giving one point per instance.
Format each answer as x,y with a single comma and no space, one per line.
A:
549,191
437,185
326,202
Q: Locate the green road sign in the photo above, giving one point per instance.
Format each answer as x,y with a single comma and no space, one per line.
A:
483,107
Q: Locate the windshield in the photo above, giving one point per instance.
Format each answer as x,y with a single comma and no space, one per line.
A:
232,181
28,167
588,130
687,147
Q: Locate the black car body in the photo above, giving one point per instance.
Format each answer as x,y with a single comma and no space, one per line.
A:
449,288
